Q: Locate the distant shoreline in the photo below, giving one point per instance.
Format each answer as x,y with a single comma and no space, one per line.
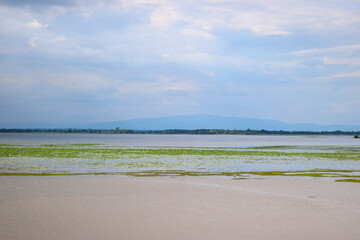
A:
178,131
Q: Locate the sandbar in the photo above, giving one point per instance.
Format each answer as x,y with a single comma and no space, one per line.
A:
186,208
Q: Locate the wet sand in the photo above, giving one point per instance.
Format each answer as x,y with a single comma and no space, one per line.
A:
117,207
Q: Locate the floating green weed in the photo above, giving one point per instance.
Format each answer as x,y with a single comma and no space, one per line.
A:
69,145
348,180
179,173
77,159
116,153
310,148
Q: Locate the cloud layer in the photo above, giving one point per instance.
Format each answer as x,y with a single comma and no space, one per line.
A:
295,61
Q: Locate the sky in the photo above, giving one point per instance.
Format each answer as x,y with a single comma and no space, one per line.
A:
107,60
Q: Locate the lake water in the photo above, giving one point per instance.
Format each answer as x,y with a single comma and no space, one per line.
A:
125,163
177,140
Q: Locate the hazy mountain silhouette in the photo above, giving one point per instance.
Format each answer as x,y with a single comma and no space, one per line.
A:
216,122
191,122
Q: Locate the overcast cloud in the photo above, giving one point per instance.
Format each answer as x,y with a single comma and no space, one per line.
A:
92,61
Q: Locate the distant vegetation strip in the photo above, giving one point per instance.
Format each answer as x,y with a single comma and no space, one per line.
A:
136,153
180,131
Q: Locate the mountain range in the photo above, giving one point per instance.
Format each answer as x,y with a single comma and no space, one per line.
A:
191,122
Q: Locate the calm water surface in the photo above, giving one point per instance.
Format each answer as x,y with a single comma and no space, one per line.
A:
188,163
176,140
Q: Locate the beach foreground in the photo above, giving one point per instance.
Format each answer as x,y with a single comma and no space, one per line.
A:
118,207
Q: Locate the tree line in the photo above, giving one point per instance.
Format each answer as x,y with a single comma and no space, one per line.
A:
180,131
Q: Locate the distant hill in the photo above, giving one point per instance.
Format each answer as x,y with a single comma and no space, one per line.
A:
216,122
191,122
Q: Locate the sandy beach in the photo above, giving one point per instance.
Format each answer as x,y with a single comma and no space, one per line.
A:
117,207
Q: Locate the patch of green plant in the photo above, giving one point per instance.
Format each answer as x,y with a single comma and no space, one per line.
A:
309,148
148,164
161,173
69,145
179,173
12,145
348,180
313,174
310,173
117,153
36,174
235,175
272,147
269,173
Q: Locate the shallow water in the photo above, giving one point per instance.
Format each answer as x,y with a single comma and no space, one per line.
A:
113,161
177,140
39,165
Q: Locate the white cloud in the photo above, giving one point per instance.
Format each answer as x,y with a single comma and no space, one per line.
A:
342,61
285,64
347,108
344,75
340,55
276,18
208,72
213,59
46,85
196,33
331,78
157,47
32,42
59,38
161,84
35,24
343,50
262,23
164,17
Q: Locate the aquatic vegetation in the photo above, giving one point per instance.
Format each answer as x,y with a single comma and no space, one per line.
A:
99,152
147,164
69,145
166,173
348,180
80,159
309,148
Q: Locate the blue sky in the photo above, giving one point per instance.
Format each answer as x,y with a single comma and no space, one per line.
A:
93,61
